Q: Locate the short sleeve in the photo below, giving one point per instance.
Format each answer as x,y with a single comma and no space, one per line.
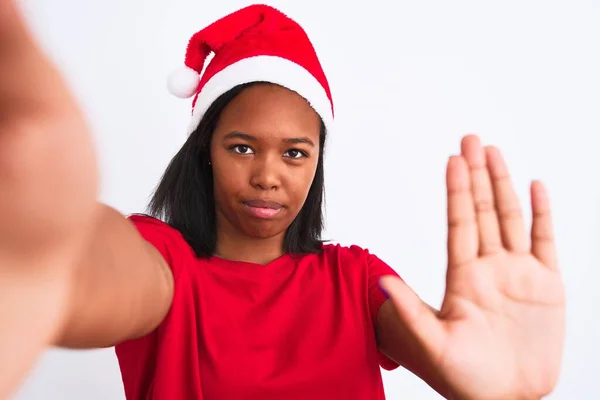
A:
376,268
137,357
166,239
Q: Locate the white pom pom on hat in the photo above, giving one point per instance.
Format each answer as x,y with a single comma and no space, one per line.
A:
183,82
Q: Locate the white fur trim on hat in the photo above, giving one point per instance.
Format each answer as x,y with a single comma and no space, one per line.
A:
272,69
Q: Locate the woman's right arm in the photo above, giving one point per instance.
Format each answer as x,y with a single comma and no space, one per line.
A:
73,273
118,286
121,289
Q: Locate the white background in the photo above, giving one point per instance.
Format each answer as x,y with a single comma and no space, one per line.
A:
409,79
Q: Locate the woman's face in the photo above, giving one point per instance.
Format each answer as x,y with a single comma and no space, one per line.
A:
264,155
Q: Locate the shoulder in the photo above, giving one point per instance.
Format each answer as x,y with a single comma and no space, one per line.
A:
357,258
148,223
349,253
349,256
153,229
166,239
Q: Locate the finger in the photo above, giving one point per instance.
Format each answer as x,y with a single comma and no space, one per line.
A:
463,242
542,236
509,212
420,319
14,34
490,240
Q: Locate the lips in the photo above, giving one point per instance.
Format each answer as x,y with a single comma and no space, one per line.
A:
264,204
263,209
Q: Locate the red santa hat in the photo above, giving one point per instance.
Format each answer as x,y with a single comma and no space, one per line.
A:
255,43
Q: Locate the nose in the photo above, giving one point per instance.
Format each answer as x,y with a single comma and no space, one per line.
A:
266,174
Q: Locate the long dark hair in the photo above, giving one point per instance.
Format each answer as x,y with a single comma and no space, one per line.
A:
184,196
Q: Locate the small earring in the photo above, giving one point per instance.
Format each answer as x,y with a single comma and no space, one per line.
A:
209,163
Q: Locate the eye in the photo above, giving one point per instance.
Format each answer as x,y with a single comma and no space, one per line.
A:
241,149
295,153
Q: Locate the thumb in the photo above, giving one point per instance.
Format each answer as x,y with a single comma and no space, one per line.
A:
29,81
13,31
419,318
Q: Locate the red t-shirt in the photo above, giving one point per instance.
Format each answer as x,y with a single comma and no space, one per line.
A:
301,327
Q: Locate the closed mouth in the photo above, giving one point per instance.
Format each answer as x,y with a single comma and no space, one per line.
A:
264,204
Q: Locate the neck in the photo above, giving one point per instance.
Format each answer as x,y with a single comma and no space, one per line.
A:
238,247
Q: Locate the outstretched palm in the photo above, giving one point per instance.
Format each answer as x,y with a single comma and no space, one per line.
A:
499,333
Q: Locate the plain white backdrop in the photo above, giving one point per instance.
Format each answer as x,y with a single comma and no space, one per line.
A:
408,79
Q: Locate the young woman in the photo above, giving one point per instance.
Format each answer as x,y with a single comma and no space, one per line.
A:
226,290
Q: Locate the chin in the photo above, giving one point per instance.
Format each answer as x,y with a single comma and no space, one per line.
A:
263,231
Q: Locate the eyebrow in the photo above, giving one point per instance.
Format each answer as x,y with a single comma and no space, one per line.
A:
250,138
240,135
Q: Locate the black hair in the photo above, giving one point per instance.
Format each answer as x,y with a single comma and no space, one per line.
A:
184,197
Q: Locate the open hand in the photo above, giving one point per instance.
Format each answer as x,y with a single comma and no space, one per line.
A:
500,331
